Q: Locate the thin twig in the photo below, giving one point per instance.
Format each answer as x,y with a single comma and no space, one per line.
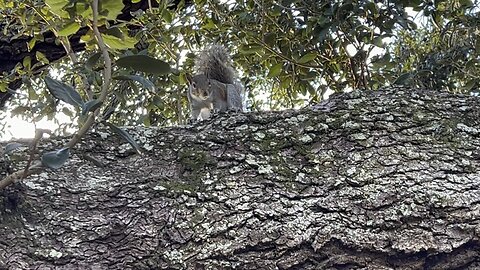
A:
107,76
33,147
9,179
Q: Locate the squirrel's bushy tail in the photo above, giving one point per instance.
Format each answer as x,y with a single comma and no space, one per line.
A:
215,62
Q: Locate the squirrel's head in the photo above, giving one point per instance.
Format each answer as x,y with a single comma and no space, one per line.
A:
199,86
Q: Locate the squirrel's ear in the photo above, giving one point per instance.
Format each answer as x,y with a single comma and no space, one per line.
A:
189,78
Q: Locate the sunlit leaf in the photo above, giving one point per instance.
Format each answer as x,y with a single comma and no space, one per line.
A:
27,62
208,24
41,57
112,8
275,70
167,16
69,29
119,44
307,58
57,7
88,37
84,11
32,43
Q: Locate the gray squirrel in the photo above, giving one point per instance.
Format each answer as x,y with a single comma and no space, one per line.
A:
216,86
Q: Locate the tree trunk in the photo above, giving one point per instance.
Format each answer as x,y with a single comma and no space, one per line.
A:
366,180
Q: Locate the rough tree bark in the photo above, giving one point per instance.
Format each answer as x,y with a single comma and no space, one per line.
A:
366,180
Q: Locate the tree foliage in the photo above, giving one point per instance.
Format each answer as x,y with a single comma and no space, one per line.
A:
289,53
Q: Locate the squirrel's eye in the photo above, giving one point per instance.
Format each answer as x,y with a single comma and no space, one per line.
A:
193,84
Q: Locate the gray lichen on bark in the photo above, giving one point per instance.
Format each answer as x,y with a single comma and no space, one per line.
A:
366,180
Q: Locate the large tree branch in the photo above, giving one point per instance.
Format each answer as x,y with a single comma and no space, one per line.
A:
370,180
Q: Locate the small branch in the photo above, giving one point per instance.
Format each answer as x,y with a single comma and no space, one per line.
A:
88,123
33,147
68,48
9,179
107,76
101,44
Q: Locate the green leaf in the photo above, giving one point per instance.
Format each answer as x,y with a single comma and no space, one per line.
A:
10,147
402,79
208,24
19,110
67,112
125,136
378,41
69,29
167,16
118,43
55,159
27,62
470,84
270,39
142,80
275,70
466,3
91,106
3,86
115,31
41,57
307,58
92,60
144,63
112,8
57,7
31,43
285,82
250,49
85,11
64,92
